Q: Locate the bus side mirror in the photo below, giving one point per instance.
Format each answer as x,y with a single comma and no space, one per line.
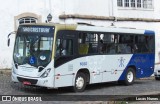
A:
8,42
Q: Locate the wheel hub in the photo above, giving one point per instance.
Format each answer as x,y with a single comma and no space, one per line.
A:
79,83
130,76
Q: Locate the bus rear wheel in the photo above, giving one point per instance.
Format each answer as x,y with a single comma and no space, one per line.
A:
130,76
80,82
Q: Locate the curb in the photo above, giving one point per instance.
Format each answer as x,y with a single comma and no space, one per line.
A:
5,71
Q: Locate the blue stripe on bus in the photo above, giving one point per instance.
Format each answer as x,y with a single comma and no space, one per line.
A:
149,32
143,64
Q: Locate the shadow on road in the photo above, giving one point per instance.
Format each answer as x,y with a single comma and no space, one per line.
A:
19,87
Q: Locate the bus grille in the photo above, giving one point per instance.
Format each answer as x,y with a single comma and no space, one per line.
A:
32,81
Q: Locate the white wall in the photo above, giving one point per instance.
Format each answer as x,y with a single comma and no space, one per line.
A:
9,9
6,26
92,7
136,13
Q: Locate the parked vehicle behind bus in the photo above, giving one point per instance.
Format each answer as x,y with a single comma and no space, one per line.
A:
61,55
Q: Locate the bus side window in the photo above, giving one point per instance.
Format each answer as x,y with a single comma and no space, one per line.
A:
111,49
107,43
88,43
69,47
58,47
144,44
64,47
83,49
126,44
151,44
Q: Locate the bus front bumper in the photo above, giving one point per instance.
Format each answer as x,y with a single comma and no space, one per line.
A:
43,82
157,73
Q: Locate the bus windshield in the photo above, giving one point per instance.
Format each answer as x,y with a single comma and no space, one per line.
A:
34,49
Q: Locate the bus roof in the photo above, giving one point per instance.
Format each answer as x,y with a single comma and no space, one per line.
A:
115,30
96,28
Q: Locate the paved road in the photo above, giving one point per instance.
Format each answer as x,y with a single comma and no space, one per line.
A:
141,87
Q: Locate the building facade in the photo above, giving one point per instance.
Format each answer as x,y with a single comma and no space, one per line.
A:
140,14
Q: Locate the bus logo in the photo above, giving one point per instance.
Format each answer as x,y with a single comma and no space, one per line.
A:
121,62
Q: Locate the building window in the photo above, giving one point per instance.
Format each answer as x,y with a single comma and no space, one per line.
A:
137,4
88,43
147,4
133,3
126,3
25,20
120,3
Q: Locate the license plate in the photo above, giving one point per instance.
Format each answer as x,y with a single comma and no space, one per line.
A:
26,83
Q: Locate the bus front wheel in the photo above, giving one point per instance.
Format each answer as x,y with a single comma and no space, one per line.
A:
130,76
80,82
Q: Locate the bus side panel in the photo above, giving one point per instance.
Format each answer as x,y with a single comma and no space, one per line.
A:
144,64
66,72
102,68
63,75
65,80
113,66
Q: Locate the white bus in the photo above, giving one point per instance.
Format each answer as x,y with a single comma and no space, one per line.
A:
61,55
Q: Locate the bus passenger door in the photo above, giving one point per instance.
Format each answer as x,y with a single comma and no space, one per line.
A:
65,44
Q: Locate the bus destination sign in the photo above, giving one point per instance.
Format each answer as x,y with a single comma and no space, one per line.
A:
36,29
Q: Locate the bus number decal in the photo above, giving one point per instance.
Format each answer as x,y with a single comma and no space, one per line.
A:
83,63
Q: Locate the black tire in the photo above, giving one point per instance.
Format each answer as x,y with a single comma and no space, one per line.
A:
80,77
130,76
157,78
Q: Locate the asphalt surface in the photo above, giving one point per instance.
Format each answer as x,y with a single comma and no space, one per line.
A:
147,86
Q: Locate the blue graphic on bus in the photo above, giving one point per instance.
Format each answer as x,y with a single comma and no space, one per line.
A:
121,60
141,71
32,60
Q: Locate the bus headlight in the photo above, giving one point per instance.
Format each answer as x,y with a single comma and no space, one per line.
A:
45,74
